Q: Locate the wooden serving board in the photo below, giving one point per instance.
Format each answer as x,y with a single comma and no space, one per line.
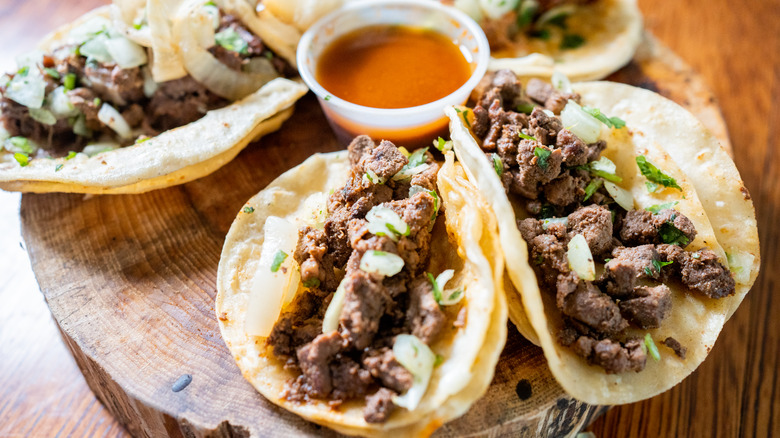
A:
130,281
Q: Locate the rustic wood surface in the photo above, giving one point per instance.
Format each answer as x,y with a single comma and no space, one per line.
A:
733,393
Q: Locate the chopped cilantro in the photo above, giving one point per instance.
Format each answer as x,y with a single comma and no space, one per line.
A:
653,174
648,271
539,260
572,41
142,139
607,260
526,107
657,264
498,165
593,185
542,34
231,40
69,81
442,144
526,13
248,210
651,348
526,136
21,143
327,98
558,20
655,209
279,258
52,72
436,289
71,154
138,26
438,361
97,101
547,211
542,157
22,159
672,235
651,186
23,71
612,122
464,115
312,283
58,167
269,55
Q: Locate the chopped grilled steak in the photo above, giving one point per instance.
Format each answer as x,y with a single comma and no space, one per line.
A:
365,302
679,350
648,307
544,128
58,138
592,307
424,317
311,253
545,94
382,365
629,265
178,102
594,222
114,84
700,271
360,145
384,160
379,406
641,227
349,379
615,357
255,48
314,359
300,325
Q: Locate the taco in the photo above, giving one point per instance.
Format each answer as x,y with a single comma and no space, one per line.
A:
584,39
362,291
85,113
625,226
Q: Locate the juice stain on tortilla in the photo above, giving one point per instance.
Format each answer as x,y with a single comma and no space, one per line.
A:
392,66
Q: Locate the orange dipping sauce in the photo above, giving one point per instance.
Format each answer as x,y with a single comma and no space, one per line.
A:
392,66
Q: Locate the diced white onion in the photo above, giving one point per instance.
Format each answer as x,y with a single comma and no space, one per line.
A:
30,59
270,289
604,164
60,105
28,90
623,197
382,263
42,115
554,220
213,12
471,8
96,148
444,277
126,53
114,120
580,258
80,126
383,221
150,86
451,296
741,263
330,322
88,29
561,82
408,173
372,178
97,49
418,359
496,9
580,123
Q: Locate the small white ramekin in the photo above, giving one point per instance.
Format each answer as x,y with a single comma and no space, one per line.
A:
412,126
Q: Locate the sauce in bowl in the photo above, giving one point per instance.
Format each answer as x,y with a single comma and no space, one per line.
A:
392,66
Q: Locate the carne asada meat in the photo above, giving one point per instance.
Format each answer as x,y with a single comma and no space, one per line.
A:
357,359
550,170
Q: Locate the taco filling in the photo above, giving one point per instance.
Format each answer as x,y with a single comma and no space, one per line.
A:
97,93
363,327
608,264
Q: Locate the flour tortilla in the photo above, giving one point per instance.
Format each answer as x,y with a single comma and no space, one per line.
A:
173,157
680,146
472,249
612,30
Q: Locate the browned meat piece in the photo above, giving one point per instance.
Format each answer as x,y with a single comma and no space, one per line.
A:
232,59
594,222
533,171
539,90
365,301
565,190
384,160
57,139
382,365
379,406
505,88
426,178
629,265
481,121
83,99
592,307
299,326
675,345
497,118
360,145
349,380
178,102
549,255
543,127
611,355
417,212
641,227
311,253
114,84
133,115
702,272
649,307
314,359
424,318
575,152
255,48
530,228
552,99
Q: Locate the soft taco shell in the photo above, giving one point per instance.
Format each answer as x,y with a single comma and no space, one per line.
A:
470,352
173,157
612,31
679,145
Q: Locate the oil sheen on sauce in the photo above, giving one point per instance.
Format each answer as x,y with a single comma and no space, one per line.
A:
391,66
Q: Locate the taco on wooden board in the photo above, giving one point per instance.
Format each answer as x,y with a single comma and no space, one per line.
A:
626,228
362,290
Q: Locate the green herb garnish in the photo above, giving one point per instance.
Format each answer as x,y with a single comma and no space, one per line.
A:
435,286
23,71
655,209
311,283
52,72
654,175
438,361
22,159
542,34
572,41
21,143
525,107
58,167
464,115
327,98
498,165
591,188
672,235
542,157
279,258
248,210
526,136
231,40
69,81
97,101
612,122
71,154
651,348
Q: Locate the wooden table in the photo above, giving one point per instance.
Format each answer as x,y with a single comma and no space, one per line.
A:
736,47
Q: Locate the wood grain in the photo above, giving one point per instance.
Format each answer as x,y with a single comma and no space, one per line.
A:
734,393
